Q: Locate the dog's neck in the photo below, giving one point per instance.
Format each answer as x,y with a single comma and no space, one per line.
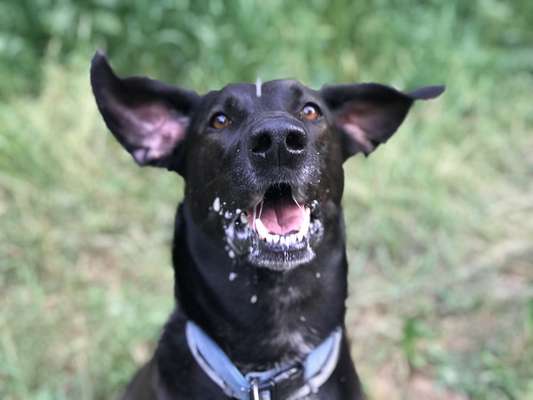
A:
258,316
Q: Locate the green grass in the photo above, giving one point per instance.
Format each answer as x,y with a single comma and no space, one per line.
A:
439,220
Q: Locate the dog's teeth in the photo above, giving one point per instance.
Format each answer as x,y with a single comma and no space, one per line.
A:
275,239
294,238
261,229
244,219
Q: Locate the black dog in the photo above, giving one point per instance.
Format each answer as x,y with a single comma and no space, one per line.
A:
259,247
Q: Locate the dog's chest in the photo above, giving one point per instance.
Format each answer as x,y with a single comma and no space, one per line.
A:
291,328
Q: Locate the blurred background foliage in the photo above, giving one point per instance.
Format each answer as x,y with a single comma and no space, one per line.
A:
440,220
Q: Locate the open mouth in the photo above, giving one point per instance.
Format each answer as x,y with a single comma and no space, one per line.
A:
279,219
279,232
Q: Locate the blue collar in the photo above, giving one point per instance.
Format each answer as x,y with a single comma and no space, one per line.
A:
312,373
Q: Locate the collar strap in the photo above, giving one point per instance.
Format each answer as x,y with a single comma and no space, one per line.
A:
287,382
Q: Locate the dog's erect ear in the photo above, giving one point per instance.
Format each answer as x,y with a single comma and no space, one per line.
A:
149,118
368,114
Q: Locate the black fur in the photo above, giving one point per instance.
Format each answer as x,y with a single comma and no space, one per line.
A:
267,307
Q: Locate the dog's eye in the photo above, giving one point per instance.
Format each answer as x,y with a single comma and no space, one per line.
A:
220,121
310,112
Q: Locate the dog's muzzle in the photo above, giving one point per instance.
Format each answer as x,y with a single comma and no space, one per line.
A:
279,232
280,227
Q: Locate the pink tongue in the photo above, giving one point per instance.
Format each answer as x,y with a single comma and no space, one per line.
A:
282,216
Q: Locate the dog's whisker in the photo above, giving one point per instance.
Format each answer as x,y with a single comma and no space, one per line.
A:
296,201
261,208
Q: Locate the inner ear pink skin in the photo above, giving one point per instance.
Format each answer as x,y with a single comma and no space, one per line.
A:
352,128
153,130
369,124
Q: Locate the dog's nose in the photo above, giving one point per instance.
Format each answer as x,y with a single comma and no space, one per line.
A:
279,145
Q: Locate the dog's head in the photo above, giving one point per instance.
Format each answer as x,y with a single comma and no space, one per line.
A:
262,163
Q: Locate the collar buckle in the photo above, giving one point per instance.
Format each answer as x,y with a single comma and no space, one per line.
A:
255,393
279,386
